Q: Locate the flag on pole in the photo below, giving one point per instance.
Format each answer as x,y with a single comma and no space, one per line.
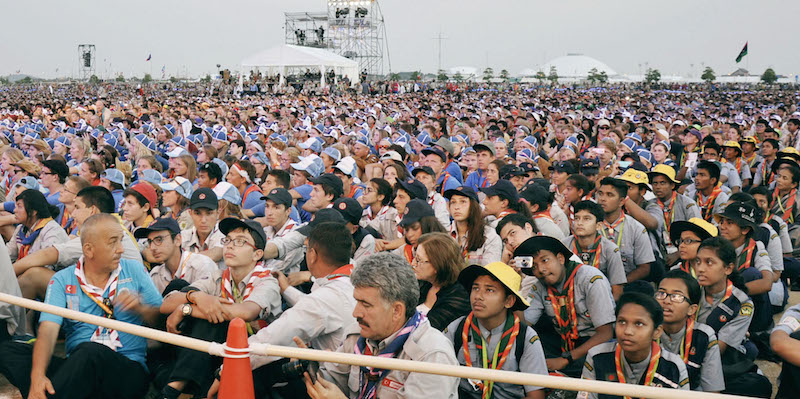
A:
149,56
163,71
742,53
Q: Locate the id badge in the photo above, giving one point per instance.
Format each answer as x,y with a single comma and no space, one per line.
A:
474,383
102,337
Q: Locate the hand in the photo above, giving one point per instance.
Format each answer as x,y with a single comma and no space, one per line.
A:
212,392
174,319
556,363
127,301
298,278
283,282
380,245
211,305
40,386
322,389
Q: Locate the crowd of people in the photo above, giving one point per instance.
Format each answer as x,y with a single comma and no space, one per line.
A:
625,233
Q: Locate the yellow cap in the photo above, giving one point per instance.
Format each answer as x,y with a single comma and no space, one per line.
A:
502,272
732,144
634,176
749,139
665,170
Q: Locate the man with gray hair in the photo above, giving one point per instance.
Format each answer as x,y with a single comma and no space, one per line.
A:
386,293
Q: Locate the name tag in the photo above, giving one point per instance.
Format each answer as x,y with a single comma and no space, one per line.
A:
73,302
391,384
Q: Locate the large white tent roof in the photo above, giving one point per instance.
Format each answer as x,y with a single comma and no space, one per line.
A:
297,56
576,66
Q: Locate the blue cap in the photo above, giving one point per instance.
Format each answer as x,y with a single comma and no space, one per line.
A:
531,140
219,135
222,166
424,139
180,185
262,157
313,144
312,164
151,176
333,153
64,140
226,191
179,140
114,176
110,139
525,153
28,182
634,137
645,155
629,143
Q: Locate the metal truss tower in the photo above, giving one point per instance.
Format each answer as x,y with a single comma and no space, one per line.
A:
86,61
356,30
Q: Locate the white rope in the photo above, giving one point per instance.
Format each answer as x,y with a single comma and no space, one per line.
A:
517,378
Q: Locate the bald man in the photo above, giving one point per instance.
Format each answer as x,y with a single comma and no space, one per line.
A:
101,362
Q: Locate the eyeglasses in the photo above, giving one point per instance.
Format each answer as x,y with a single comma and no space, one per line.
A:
418,261
687,241
48,173
369,189
158,240
237,242
18,170
674,298
383,147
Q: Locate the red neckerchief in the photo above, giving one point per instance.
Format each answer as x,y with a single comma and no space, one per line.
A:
594,250
505,213
353,190
543,214
747,252
707,206
669,216
249,190
408,251
344,271
567,326
751,160
260,271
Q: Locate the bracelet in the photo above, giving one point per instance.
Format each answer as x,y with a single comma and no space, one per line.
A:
189,297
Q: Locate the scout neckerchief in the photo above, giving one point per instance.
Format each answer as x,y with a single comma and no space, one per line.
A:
249,190
544,214
408,251
738,164
707,205
230,291
594,251
686,345
101,335
431,198
609,229
745,259
454,234
563,303
444,181
751,160
786,209
766,170
181,271
26,237
668,208
381,212
655,356
471,329
369,377
687,267
344,271
504,213
353,190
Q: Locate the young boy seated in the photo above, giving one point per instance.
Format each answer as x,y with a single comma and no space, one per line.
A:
493,328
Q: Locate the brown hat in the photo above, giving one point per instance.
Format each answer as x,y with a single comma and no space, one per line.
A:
28,166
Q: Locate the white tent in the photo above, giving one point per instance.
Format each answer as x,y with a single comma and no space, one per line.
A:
279,59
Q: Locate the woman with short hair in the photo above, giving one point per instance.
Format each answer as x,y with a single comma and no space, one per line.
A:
437,263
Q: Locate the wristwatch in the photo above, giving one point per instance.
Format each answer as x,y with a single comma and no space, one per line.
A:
186,309
568,356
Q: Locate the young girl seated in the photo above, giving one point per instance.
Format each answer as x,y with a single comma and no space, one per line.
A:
635,357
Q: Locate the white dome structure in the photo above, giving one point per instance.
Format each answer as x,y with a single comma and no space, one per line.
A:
576,66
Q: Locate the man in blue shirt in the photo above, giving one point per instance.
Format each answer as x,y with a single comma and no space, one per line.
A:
101,362
486,154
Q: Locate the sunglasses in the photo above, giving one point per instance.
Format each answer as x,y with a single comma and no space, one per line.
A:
604,128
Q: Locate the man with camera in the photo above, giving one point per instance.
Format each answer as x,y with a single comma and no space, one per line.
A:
386,294
321,317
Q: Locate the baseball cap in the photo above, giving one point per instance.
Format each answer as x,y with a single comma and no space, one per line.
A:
485,145
321,216
114,176
393,155
226,191
176,152
179,184
256,231
204,198
416,209
147,191
313,144
312,164
330,180
423,169
161,224
437,151
350,209
347,166
590,164
414,188
446,145
29,182
503,189
564,166
333,153
152,176
280,196
464,191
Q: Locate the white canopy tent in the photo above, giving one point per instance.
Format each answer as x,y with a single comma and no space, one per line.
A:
278,60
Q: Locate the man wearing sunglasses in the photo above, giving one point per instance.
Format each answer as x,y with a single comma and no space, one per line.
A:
246,289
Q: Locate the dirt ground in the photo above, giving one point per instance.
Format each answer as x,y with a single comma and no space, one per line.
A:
771,370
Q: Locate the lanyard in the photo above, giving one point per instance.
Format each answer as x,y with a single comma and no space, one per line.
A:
510,332
610,229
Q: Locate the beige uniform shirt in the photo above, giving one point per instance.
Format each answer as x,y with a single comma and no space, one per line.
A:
192,267
265,292
52,233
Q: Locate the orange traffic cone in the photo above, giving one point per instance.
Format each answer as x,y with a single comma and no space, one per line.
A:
237,378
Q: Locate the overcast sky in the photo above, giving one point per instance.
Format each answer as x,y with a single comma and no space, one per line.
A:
41,36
